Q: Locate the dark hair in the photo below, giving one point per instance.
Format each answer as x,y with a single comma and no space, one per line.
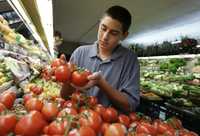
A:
57,33
121,14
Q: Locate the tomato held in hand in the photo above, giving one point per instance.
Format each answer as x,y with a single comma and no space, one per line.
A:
62,73
72,66
80,77
57,62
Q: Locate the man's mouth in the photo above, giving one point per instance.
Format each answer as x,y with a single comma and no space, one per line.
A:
103,43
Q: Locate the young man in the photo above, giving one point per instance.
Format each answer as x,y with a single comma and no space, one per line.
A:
115,78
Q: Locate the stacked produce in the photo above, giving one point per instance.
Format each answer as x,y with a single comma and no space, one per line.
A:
79,115
42,112
9,36
5,75
172,80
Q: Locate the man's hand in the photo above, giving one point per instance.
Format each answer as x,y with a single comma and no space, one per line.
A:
94,80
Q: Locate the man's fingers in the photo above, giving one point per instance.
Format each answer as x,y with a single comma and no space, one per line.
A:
94,76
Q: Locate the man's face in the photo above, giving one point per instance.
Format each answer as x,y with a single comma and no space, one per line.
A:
109,33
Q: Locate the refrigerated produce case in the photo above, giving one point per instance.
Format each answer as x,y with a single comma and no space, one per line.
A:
170,86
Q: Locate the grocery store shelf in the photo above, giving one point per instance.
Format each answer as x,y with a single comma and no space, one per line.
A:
30,14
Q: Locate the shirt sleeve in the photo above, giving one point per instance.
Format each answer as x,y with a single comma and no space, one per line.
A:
130,83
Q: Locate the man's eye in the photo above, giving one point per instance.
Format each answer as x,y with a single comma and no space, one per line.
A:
103,28
114,33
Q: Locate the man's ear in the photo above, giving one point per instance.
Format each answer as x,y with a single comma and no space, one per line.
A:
125,34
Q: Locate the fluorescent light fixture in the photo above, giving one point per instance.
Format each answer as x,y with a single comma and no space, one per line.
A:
46,13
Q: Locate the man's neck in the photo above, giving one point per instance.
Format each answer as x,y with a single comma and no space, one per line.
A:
104,55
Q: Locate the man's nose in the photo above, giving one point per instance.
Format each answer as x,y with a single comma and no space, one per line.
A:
105,36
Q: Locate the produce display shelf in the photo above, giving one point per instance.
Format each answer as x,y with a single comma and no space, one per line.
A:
165,110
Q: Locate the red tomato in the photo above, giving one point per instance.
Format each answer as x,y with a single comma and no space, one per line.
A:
100,109
34,104
36,89
62,73
83,131
57,127
162,127
7,124
27,97
116,129
92,119
50,111
124,119
31,124
188,134
60,102
104,126
57,62
7,98
146,128
133,117
110,115
80,78
78,97
71,66
2,107
92,101
170,132
175,123
83,108
185,132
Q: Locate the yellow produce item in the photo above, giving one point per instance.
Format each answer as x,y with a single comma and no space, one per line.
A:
1,74
2,80
3,21
9,39
5,29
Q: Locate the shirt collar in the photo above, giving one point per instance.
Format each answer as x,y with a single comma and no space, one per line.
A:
117,52
93,51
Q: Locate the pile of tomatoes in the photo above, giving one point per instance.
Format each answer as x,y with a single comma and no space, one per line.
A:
63,71
79,115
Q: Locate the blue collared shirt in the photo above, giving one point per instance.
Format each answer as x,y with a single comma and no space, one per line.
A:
121,71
